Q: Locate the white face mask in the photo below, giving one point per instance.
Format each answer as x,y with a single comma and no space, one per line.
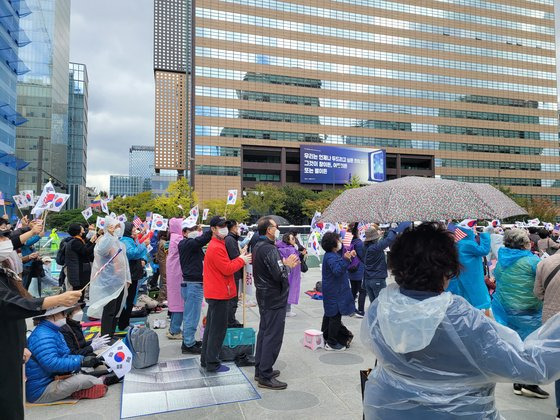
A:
6,249
193,235
59,322
277,234
78,316
118,232
339,246
223,232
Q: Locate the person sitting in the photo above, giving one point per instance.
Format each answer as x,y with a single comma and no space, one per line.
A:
514,304
439,358
53,373
337,296
74,337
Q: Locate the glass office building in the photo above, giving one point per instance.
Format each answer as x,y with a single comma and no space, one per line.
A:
12,40
43,95
141,161
77,135
128,185
470,82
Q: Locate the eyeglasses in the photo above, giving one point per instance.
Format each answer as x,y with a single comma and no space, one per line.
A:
274,226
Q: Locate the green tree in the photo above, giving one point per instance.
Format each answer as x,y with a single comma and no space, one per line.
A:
353,182
320,202
63,219
264,200
178,194
217,207
294,197
542,209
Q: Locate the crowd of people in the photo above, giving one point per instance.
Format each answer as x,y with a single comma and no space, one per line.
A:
460,317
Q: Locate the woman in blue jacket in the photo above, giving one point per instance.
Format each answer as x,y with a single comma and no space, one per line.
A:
52,372
337,296
356,272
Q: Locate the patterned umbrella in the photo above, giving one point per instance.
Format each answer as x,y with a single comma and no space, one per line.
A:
421,199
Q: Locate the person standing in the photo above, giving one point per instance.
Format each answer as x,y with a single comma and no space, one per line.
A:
191,255
337,296
219,288
287,246
174,280
547,289
108,289
232,247
271,281
161,257
137,255
375,275
356,271
78,258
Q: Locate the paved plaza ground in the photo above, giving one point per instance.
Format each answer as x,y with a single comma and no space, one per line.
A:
321,385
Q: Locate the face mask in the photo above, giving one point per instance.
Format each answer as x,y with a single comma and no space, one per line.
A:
193,235
59,322
223,232
90,234
277,234
6,249
118,232
78,316
339,246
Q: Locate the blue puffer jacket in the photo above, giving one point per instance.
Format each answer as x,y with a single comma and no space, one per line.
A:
50,357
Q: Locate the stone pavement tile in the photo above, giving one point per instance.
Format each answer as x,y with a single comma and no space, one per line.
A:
515,407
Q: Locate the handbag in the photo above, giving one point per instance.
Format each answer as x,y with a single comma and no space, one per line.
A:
303,266
550,277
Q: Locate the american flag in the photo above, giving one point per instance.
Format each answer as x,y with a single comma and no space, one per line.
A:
457,233
347,240
137,222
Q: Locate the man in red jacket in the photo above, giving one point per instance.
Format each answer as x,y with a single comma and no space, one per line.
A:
219,288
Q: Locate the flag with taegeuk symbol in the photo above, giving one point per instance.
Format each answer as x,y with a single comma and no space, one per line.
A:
87,213
231,197
118,358
205,214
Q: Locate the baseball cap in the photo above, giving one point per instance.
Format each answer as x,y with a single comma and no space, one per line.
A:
189,223
217,221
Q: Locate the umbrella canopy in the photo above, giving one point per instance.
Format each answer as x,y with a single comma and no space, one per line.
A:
279,220
421,199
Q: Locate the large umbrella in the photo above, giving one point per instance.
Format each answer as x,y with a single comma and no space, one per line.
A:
279,220
425,199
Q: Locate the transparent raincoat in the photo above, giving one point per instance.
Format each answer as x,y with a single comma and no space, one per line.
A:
113,278
440,358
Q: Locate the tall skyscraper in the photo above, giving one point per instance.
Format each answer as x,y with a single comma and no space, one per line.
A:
468,84
170,74
141,161
12,39
77,135
43,95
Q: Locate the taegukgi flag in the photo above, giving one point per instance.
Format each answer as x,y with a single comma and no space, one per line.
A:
232,197
205,214
118,358
87,213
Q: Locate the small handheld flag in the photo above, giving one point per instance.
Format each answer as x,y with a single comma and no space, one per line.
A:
232,197
87,213
205,214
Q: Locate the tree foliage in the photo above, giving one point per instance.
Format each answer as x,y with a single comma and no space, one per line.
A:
62,220
294,197
264,200
542,209
217,207
353,182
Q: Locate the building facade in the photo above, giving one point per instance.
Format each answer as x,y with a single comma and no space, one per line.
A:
471,83
43,95
12,41
171,85
128,185
77,135
141,161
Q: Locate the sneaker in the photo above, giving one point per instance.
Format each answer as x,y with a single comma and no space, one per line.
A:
290,314
178,336
534,391
222,369
110,379
96,391
196,348
517,389
358,314
335,347
275,374
273,383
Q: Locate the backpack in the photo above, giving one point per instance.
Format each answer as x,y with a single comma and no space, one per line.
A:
144,346
61,254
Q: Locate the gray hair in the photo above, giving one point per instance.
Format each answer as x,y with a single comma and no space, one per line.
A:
516,239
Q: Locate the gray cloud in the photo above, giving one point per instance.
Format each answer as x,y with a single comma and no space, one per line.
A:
115,40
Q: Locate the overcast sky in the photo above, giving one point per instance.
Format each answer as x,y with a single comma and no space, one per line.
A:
114,39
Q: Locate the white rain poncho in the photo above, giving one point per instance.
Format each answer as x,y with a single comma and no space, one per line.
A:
440,358
113,278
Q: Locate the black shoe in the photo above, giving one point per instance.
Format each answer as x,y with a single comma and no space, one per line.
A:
534,391
111,379
196,348
272,384
517,389
236,324
245,361
275,374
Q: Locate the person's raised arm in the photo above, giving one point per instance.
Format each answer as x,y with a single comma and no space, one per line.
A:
477,250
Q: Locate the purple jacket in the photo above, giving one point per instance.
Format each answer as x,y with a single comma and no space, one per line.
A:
294,278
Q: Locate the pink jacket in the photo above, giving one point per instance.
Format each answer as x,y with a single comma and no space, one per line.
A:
173,266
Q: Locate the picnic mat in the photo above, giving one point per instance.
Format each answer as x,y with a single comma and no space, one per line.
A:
182,384
91,328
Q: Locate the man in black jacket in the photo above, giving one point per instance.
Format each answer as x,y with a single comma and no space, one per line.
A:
271,282
78,257
232,247
191,256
